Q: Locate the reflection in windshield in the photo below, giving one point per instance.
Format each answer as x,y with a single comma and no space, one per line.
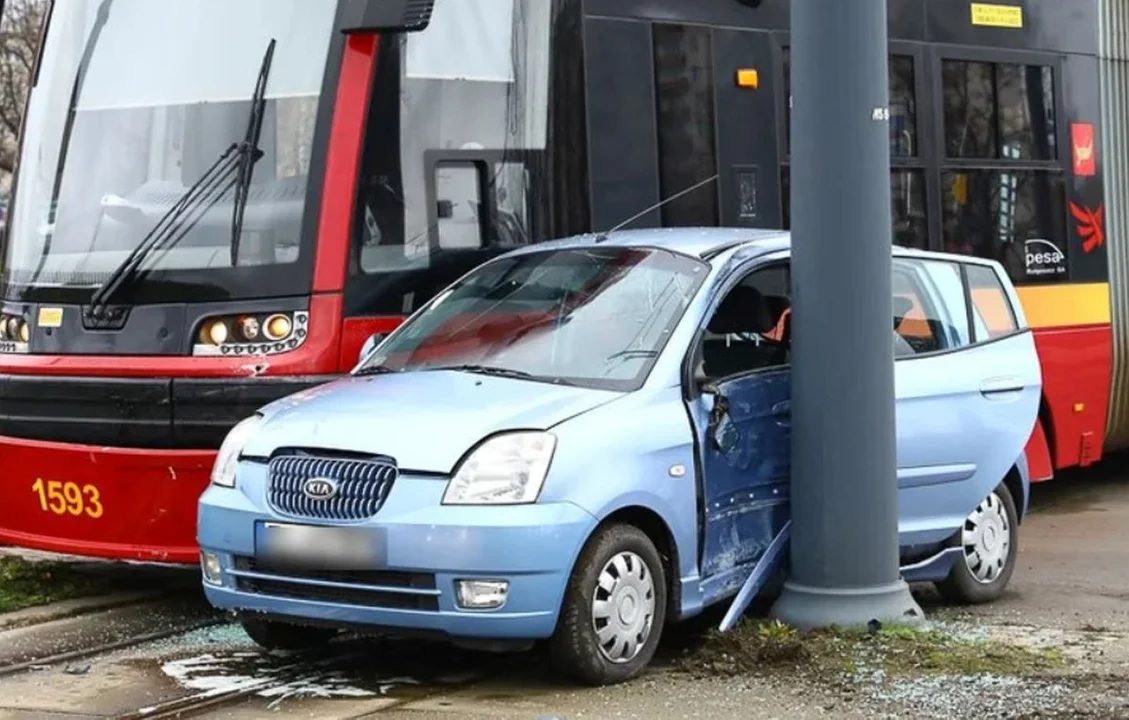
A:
159,94
593,316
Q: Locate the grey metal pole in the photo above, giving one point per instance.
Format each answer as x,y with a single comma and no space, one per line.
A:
844,547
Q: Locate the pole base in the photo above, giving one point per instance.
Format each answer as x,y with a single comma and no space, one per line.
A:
809,608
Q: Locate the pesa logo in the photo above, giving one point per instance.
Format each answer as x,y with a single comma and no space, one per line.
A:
1043,257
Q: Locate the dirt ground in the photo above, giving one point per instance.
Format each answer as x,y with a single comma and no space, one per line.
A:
1067,610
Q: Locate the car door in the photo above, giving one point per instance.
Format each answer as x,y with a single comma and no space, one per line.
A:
741,413
967,392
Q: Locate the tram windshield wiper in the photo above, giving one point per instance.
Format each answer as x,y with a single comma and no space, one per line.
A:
248,159
231,169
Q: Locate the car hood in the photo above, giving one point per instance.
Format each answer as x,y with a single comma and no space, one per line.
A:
425,420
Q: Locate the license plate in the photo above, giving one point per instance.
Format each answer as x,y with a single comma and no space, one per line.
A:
313,547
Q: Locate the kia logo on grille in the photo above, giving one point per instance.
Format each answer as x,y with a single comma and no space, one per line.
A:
319,488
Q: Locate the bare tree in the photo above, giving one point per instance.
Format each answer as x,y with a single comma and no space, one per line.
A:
19,41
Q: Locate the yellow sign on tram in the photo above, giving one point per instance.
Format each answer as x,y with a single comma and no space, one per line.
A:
1004,16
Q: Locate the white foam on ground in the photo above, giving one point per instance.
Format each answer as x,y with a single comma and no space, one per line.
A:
212,675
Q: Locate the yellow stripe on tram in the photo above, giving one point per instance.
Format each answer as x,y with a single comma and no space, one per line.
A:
1065,305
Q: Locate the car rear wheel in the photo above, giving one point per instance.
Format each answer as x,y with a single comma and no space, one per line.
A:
274,635
989,540
613,610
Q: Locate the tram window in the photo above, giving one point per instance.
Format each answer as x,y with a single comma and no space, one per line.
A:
993,312
903,108
998,111
903,105
1016,217
684,89
1027,117
907,200
487,95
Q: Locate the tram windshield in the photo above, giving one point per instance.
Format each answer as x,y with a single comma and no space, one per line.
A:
134,101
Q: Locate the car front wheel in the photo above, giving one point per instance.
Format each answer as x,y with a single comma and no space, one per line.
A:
274,635
989,540
614,608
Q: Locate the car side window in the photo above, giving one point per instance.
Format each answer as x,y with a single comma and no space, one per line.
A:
930,312
751,327
993,314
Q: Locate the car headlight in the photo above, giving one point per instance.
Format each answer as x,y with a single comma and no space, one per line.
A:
507,469
227,459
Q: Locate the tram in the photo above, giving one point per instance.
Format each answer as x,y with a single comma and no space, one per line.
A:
217,202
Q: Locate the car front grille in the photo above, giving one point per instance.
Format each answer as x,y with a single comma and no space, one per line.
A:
361,486
387,589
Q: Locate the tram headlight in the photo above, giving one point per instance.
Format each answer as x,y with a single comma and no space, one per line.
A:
227,459
250,333
278,327
214,332
248,327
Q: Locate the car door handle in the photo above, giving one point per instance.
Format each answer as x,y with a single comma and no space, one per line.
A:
1001,386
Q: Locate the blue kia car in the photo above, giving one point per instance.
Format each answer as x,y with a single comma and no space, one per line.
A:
583,440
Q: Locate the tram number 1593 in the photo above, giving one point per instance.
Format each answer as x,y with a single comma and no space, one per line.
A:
62,498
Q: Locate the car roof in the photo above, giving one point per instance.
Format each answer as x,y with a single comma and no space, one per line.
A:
708,242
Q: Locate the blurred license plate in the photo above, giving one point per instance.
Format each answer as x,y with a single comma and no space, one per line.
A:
311,547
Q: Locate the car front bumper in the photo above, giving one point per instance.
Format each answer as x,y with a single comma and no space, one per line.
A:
425,548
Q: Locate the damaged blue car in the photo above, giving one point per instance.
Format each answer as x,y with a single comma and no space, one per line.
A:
585,440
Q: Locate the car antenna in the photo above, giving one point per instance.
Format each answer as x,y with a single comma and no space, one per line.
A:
603,237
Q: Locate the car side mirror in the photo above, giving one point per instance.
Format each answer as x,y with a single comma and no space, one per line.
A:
370,346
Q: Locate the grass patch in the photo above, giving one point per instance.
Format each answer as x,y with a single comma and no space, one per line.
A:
24,584
759,647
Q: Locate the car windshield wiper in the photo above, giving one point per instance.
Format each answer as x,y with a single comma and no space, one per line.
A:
373,370
632,355
227,171
485,370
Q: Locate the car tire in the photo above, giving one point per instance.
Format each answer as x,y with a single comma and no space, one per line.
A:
990,540
631,600
273,635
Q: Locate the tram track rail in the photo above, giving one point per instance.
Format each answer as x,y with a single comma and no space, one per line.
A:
29,645
104,648
304,670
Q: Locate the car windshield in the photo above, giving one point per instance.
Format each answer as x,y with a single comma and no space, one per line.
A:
134,101
593,317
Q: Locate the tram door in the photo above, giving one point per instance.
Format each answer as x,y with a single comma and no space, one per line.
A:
672,106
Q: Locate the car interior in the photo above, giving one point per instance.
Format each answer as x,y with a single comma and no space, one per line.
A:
752,327
740,336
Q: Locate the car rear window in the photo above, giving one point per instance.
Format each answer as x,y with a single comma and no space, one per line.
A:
993,314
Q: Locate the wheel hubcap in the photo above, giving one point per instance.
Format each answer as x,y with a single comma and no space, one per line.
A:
623,607
986,539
